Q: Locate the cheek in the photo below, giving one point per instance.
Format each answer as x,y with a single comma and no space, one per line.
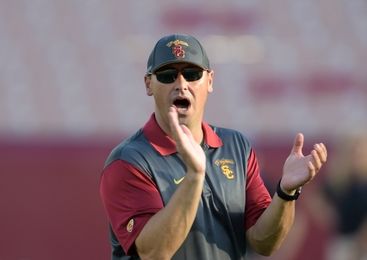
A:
161,98
202,97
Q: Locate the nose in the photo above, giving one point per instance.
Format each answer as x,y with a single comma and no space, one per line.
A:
181,83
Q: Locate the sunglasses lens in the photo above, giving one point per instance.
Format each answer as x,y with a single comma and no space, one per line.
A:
167,76
192,74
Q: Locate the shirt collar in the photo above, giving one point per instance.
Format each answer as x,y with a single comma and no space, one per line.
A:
165,145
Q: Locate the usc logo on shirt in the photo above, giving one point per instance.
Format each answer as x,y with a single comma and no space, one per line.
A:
225,166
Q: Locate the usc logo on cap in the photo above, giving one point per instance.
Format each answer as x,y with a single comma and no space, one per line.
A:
177,48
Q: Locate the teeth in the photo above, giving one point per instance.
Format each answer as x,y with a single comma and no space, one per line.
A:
182,109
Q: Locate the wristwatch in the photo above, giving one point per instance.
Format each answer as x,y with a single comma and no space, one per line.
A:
287,197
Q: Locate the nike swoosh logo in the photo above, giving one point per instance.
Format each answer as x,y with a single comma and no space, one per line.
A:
178,181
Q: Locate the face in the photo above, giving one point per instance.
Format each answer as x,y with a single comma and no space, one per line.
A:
186,93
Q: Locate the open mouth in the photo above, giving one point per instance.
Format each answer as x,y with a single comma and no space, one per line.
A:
181,103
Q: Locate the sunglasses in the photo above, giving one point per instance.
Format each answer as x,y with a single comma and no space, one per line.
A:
167,76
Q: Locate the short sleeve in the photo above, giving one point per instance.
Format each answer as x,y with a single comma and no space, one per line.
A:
130,199
257,196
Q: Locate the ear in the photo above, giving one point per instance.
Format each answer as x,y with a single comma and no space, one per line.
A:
147,81
210,81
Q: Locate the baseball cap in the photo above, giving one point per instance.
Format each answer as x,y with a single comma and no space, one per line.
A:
177,48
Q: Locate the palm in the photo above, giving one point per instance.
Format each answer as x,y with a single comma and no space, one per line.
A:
191,152
295,171
299,169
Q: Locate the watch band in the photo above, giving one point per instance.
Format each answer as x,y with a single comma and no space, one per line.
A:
285,196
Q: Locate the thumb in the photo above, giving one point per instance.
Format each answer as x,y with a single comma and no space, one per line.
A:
298,144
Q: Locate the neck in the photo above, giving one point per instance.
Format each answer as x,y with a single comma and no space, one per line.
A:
197,133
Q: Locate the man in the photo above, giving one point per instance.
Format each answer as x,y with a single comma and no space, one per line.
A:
182,189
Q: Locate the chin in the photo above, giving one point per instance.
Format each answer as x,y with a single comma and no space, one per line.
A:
183,119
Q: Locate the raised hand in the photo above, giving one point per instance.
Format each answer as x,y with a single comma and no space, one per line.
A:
299,169
191,152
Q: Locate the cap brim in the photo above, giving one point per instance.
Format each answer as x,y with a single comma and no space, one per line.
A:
176,62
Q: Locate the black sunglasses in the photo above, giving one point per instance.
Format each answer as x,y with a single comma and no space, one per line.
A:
170,75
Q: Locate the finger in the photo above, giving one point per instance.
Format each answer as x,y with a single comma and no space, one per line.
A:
298,144
188,133
316,160
321,151
175,127
324,149
311,170
186,130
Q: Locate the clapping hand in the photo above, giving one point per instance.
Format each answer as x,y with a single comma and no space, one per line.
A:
300,169
191,152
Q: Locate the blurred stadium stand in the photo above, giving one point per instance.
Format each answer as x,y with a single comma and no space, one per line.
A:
71,87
